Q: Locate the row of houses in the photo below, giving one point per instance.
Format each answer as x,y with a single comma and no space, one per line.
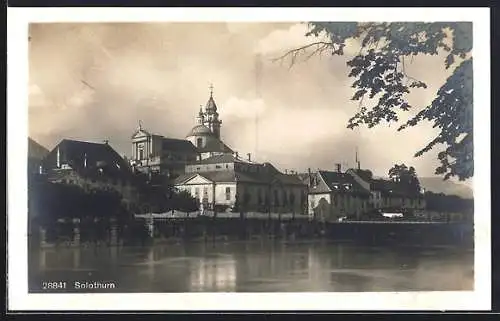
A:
226,181
203,165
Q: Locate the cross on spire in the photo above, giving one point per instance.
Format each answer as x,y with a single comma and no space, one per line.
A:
211,87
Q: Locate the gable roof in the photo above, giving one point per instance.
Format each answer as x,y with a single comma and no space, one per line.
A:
333,179
36,150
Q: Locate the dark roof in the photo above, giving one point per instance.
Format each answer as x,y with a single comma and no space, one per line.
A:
215,145
217,159
364,174
333,179
87,157
178,145
289,179
398,189
35,150
223,158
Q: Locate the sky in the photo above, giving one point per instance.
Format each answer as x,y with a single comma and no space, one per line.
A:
94,82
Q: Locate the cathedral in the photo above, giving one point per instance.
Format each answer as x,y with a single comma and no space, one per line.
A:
153,153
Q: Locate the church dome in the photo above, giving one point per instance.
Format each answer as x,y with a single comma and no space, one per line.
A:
200,130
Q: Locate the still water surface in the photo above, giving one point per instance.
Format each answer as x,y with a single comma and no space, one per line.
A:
255,267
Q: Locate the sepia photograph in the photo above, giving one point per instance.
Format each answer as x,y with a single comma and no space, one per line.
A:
224,155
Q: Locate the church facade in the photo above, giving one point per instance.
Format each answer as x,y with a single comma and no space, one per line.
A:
153,153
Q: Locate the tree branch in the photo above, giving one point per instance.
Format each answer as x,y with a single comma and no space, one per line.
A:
294,53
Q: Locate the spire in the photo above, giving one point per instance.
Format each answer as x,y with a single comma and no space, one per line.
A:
211,107
140,125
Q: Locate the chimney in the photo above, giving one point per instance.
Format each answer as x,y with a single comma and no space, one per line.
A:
236,154
249,157
58,160
339,167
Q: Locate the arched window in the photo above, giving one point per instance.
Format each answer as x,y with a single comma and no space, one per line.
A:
199,142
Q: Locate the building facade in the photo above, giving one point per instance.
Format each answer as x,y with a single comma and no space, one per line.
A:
229,183
333,195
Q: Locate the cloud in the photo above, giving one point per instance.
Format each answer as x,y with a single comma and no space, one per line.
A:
278,40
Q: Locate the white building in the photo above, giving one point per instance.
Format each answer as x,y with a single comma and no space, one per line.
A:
228,182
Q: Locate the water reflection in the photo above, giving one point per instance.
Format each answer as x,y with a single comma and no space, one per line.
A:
256,267
213,275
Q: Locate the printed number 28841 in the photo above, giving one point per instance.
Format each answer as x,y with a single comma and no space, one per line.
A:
53,285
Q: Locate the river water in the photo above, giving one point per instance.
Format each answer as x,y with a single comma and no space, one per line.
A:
253,267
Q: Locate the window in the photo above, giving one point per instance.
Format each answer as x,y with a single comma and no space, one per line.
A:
197,192
199,142
141,153
227,165
218,166
205,192
228,193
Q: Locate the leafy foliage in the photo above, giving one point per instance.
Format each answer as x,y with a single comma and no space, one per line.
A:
50,202
379,74
183,201
406,175
448,203
159,196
